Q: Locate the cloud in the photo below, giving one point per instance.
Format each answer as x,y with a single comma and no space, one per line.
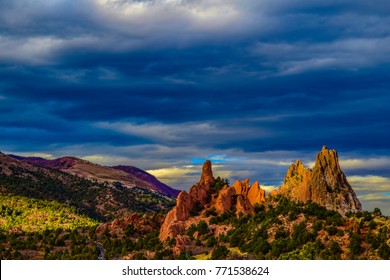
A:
41,155
185,176
370,183
169,83
372,191
107,160
367,163
197,133
299,57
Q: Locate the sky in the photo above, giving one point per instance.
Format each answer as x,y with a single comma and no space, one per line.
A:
166,84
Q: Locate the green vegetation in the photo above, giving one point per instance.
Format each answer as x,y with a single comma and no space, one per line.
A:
38,229
35,215
218,184
55,216
283,229
83,194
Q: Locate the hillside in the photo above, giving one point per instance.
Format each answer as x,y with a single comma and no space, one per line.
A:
100,200
127,176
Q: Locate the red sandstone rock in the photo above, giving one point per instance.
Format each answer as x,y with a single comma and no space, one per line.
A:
244,206
225,200
255,194
186,203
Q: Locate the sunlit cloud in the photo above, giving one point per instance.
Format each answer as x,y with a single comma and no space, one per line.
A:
27,154
380,162
370,183
106,160
206,132
269,189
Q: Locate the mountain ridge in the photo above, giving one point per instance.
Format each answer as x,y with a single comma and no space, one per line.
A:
128,176
100,200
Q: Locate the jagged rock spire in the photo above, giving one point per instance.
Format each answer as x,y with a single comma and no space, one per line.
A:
207,178
326,184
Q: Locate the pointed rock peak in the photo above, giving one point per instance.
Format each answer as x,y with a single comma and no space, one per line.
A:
325,151
327,158
255,185
207,174
241,187
236,183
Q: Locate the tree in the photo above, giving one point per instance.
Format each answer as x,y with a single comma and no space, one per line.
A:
220,253
354,245
211,241
202,227
377,212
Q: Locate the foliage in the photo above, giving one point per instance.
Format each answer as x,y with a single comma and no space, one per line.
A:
220,253
218,184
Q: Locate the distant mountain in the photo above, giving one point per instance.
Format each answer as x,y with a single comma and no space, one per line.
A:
94,190
127,176
148,180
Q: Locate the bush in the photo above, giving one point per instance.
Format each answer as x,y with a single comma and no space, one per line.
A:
377,212
354,245
211,212
333,252
384,251
197,208
211,241
220,253
218,184
202,228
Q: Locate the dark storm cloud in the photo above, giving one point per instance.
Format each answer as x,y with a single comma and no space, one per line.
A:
163,82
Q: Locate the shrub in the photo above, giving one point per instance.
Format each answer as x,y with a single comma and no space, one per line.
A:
220,253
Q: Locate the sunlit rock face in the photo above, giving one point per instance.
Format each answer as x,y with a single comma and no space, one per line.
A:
326,184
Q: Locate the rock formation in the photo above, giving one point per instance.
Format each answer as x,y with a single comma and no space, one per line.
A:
326,184
225,199
243,205
239,198
256,195
188,204
241,187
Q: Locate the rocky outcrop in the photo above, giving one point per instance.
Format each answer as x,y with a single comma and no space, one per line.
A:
326,184
241,187
243,206
256,195
296,182
207,178
141,224
225,200
239,198
188,204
